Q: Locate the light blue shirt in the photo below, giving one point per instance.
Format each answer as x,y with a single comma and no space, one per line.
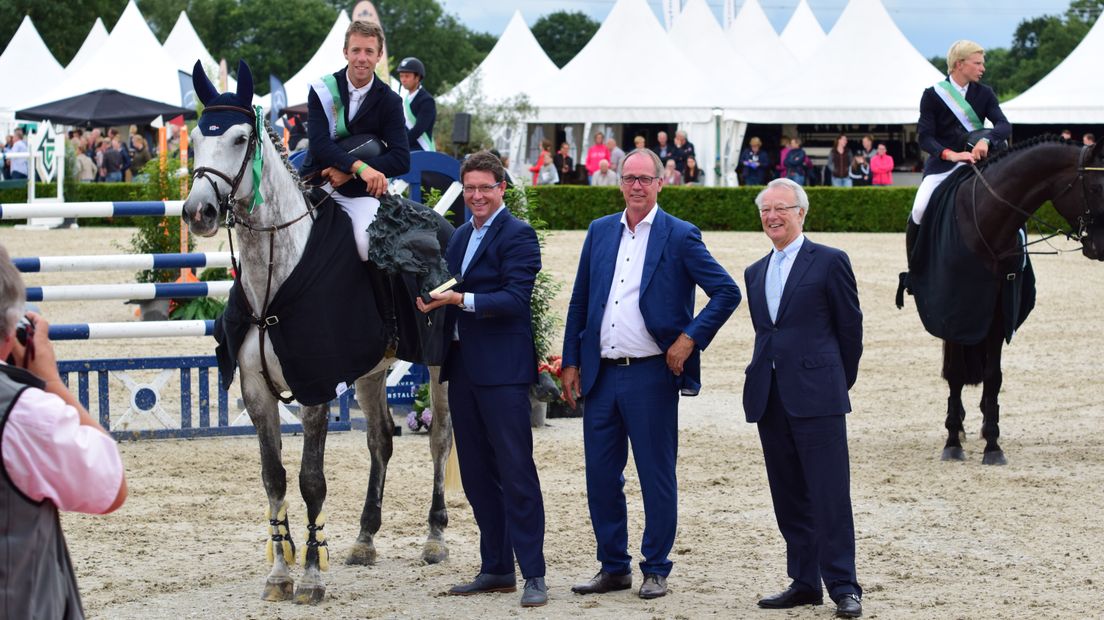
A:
478,232
778,274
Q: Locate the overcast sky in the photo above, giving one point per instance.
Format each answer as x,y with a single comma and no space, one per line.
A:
931,25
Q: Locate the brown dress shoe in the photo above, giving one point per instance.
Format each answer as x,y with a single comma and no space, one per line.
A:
603,582
654,586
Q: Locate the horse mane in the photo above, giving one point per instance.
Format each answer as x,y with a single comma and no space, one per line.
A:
1023,146
281,150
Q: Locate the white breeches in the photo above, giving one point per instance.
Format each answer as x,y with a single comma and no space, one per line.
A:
924,192
362,211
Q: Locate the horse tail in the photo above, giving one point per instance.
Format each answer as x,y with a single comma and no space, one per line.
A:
964,363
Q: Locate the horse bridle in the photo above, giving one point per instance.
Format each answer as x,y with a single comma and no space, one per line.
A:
228,205
1084,221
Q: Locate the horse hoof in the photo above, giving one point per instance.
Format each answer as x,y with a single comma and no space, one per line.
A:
362,554
310,595
275,591
954,453
996,457
435,551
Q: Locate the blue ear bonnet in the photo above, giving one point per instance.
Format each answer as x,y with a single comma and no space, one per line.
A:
215,122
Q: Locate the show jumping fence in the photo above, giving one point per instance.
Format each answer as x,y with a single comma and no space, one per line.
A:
146,403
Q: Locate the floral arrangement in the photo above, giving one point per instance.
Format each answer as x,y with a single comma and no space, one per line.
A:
549,372
421,415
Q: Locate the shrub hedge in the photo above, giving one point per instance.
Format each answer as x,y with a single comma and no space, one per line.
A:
573,207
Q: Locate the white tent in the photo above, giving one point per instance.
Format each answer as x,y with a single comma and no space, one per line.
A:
97,36
27,68
185,47
752,33
699,36
516,65
816,94
1072,93
326,59
131,61
803,34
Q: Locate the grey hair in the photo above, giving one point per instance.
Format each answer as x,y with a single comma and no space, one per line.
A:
644,151
800,197
13,295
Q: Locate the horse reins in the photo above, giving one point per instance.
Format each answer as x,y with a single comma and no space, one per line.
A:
1084,220
228,205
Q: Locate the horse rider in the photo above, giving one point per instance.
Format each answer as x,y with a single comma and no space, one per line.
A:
352,102
949,110
419,108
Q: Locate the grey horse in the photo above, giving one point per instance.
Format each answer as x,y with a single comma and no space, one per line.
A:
280,227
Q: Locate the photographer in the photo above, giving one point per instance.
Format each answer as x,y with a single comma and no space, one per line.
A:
55,457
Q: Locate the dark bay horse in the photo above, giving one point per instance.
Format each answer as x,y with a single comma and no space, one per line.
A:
271,238
991,206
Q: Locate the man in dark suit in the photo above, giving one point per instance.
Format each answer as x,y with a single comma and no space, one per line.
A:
948,111
631,345
419,108
804,306
353,102
490,365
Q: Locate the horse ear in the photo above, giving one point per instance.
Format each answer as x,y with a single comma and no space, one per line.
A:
245,83
204,89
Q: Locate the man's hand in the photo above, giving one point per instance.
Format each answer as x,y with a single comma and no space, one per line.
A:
981,150
439,299
569,379
964,156
336,177
374,179
42,362
679,352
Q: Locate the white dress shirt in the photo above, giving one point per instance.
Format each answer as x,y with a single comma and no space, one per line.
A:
623,332
357,95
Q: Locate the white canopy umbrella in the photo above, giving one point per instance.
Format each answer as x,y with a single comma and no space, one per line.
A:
27,68
803,34
816,95
1072,93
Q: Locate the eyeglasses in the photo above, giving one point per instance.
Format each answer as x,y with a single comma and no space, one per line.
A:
482,189
645,181
779,209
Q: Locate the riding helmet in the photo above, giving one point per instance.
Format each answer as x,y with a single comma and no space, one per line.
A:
411,64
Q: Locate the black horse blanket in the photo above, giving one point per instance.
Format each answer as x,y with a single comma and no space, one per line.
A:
956,294
325,326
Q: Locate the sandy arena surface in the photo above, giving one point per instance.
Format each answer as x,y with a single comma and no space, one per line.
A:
956,540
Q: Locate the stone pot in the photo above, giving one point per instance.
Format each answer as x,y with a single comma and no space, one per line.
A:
537,412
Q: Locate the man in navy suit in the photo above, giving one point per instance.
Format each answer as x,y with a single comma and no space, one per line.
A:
490,364
948,111
353,102
631,345
804,306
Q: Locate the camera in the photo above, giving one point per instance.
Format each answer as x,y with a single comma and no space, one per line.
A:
24,330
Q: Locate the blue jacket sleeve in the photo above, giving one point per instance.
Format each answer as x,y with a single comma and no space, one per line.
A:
425,115
925,127
324,151
396,161
843,297
724,294
1002,129
577,307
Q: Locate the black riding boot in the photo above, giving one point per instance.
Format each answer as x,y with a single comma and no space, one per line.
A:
911,233
385,303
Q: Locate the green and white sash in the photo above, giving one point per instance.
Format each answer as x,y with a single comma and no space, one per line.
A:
330,95
425,140
958,105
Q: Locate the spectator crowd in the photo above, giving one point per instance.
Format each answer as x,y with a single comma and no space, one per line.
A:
102,155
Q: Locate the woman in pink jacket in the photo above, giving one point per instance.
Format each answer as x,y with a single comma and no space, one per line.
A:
881,167
595,154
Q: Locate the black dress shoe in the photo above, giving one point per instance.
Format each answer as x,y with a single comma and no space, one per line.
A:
486,582
792,597
849,606
603,582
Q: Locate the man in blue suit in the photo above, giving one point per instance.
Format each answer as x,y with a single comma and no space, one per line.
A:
804,306
631,345
490,364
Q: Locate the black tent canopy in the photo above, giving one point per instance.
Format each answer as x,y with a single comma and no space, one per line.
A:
103,108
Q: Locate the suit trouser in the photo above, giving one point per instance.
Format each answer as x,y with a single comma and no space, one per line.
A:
808,471
494,446
637,403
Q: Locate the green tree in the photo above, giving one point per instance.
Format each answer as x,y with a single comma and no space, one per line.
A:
63,26
562,34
